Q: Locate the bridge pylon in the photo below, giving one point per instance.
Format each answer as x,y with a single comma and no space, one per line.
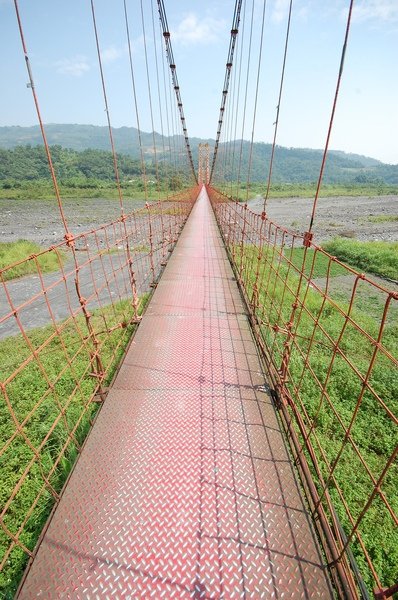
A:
204,164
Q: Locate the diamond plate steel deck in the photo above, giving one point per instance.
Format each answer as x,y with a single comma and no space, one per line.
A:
184,488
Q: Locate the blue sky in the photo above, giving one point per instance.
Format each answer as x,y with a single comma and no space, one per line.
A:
61,45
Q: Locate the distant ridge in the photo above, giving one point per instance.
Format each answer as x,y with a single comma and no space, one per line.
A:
291,164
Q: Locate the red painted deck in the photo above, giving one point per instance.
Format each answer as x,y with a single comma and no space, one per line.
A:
184,488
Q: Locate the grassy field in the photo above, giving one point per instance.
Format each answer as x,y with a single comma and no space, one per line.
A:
43,189
382,218
373,431
59,401
307,190
13,252
99,189
380,258
314,265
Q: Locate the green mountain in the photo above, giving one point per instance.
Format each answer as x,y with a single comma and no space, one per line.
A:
291,165
79,137
301,165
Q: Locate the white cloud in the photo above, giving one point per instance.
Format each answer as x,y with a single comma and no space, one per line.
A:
76,66
376,10
111,54
280,10
191,30
301,10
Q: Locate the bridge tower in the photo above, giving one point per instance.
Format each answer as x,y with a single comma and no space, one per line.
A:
204,164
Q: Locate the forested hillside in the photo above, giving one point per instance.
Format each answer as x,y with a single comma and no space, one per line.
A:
82,151
30,163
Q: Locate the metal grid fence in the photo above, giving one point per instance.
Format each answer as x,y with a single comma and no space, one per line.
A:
330,344
62,335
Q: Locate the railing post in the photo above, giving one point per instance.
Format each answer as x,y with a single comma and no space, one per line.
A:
242,242
130,261
95,357
152,267
254,298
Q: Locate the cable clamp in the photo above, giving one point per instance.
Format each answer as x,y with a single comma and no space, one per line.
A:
308,235
70,239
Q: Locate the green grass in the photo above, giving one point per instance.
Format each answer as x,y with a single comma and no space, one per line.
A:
382,218
13,252
380,258
144,248
307,190
38,401
43,190
316,263
373,431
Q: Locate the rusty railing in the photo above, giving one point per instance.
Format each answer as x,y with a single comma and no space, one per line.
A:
62,335
329,340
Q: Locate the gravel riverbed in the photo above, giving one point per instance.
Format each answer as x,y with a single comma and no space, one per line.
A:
39,220
347,216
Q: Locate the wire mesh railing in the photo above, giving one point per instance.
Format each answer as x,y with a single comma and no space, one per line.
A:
329,341
62,336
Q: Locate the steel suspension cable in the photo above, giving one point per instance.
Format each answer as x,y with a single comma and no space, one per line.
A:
149,94
105,96
39,117
178,139
239,87
227,137
173,123
97,363
226,134
69,237
341,68
232,43
172,65
158,87
232,117
227,111
278,106
115,164
143,167
224,144
308,235
166,98
260,52
245,101
230,110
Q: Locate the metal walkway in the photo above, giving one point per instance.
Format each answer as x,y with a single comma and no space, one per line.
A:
184,488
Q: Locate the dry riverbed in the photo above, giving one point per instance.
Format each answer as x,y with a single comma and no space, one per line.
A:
363,218
39,220
354,217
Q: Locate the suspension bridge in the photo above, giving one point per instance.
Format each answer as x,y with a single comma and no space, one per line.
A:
191,423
